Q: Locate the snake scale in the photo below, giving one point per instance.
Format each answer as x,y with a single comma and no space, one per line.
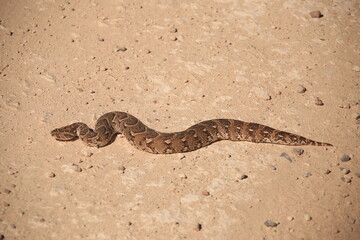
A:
197,136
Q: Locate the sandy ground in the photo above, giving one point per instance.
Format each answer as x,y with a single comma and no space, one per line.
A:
172,64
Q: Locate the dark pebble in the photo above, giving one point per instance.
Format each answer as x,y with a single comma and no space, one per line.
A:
205,193
121,169
7,191
318,102
316,14
198,227
2,237
327,171
286,156
345,170
298,151
244,176
345,158
270,223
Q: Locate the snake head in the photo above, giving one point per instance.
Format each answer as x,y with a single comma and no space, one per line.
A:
67,133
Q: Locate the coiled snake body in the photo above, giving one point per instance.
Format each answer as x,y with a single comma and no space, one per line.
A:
193,138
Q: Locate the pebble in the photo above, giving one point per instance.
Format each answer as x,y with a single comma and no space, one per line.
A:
345,170
307,217
121,169
5,204
318,102
345,158
87,153
51,175
345,195
357,174
286,156
300,89
182,176
120,48
270,223
290,218
243,176
327,171
298,151
173,30
2,237
357,119
346,179
308,174
316,14
272,167
205,193
7,191
351,220
345,105
173,38
76,168
198,227
101,39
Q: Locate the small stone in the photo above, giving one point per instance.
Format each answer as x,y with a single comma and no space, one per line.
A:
345,158
2,237
345,195
318,102
327,171
51,175
351,220
346,179
173,30
300,89
147,51
357,119
5,204
316,14
120,48
173,38
357,174
286,156
345,105
198,227
308,174
205,193
298,151
272,167
101,39
345,170
182,176
290,218
270,223
121,169
307,217
76,168
7,191
86,153
126,67
243,176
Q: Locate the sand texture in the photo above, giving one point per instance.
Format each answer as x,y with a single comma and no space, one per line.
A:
174,63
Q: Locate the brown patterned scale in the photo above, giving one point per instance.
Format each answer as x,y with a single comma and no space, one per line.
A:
197,136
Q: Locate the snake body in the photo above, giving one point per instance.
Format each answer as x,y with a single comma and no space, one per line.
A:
197,136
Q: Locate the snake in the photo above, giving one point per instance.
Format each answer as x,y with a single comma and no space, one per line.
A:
202,134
